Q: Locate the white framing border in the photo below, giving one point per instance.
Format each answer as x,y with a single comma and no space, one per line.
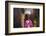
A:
17,5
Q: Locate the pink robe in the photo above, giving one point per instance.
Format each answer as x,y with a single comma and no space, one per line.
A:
28,23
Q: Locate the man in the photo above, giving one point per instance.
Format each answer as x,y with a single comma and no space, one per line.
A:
27,21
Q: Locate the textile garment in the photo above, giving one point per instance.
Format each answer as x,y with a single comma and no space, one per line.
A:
28,23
